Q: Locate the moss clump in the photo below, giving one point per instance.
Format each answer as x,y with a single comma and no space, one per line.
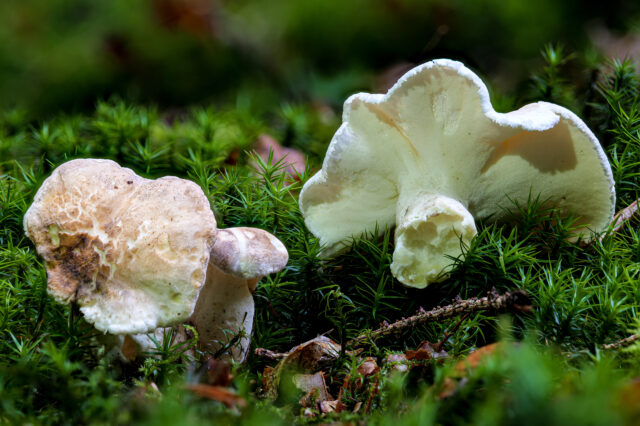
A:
51,370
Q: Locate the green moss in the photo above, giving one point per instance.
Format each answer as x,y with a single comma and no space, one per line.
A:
52,372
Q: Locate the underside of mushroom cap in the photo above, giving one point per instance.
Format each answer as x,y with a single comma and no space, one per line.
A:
435,132
132,252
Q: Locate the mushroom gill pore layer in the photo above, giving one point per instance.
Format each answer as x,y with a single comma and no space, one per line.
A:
432,155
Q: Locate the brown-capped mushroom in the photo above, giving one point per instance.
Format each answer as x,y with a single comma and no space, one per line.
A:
131,252
138,255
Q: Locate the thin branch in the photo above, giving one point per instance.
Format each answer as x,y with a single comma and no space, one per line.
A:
619,220
622,343
267,353
517,300
440,344
624,215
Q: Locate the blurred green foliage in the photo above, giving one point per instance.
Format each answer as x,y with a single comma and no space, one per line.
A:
60,55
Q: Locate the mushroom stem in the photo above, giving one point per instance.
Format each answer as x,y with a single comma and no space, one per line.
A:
428,232
225,308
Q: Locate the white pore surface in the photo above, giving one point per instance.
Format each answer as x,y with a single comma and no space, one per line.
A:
152,239
435,132
429,232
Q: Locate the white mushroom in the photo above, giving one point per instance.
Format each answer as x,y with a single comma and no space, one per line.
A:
225,307
131,252
432,154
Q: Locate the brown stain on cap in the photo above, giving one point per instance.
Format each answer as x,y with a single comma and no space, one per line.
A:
74,267
550,151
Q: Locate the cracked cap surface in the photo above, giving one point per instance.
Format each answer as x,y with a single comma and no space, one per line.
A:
132,252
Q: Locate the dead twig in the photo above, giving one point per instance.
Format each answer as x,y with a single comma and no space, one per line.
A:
268,353
622,343
440,344
517,300
623,216
619,220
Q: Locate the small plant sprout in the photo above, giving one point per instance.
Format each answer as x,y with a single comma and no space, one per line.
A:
138,254
432,155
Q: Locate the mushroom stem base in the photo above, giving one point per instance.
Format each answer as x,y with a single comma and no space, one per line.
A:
429,231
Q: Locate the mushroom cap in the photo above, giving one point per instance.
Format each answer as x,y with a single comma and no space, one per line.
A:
435,132
248,252
132,252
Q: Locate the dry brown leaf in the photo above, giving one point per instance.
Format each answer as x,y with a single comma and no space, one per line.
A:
269,383
475,358
616,45
398,362
629,397
425,351
449,387
293,159
368,367
218,393
314,387
197,17
308,357
129,348
218,372
328,406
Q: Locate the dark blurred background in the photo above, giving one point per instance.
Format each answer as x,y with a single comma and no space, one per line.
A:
63,55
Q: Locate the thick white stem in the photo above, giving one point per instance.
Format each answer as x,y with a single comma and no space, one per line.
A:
224,308
429,228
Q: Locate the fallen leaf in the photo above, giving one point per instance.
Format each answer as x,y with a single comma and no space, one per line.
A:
197,17
129,348
629,397
218,372
475,358
314,387
328,406
293,159
425,351
269,383
398,362
308,357
218,393
616,46
449,387
368,367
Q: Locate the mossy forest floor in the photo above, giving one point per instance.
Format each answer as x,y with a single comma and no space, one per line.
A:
551,368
